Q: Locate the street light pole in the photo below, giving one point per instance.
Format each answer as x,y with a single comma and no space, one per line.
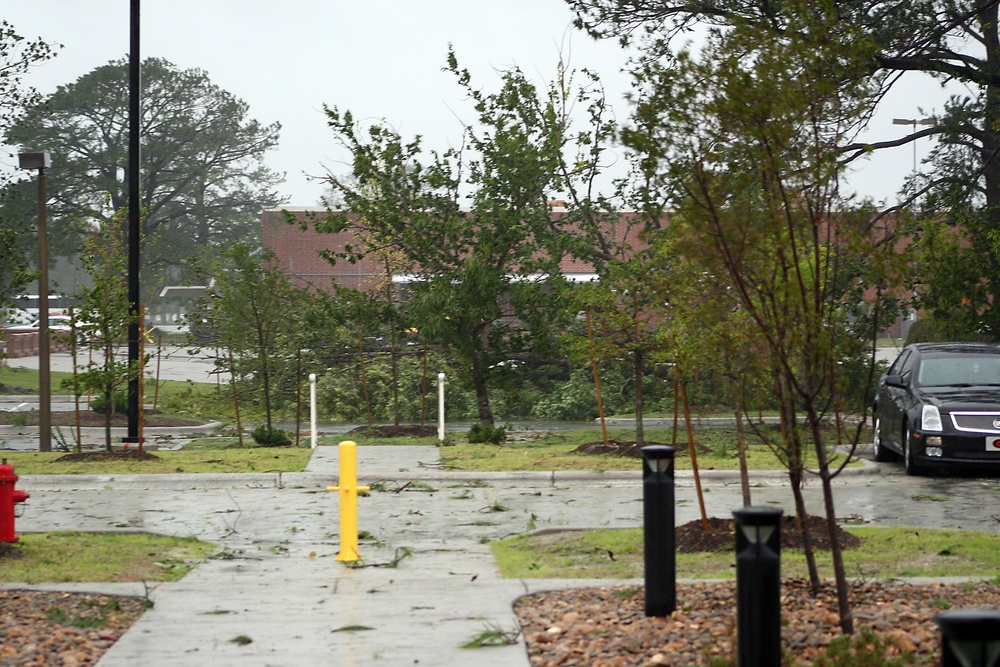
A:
134,409
914,122
40,161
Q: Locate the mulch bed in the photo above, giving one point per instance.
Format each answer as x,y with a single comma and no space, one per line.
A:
607,627
390,431
693,538
53,628
117,455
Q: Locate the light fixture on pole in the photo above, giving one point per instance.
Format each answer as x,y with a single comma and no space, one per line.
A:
914,122
41,161
970,637
659,535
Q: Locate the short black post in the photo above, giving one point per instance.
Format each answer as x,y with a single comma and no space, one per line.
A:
758,586
970,637
658,529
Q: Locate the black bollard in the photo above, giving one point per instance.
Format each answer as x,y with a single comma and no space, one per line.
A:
658,529
970,638
758,586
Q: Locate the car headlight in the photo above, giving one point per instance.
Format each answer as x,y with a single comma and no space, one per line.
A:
930,419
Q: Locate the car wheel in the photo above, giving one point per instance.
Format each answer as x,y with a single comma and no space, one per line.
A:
908,463
882,454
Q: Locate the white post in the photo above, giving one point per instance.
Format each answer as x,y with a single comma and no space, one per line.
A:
441,407
312,409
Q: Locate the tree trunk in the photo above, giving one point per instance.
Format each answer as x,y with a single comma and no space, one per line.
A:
795,477
741,448
364,375
836,553
109,397
482,395
640,435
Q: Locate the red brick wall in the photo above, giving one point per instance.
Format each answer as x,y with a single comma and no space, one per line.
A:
299,252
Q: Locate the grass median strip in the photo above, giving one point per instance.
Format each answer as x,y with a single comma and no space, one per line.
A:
716,449
884,553
247,460
107,557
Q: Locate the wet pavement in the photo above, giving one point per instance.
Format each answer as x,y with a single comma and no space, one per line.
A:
278,584
429,582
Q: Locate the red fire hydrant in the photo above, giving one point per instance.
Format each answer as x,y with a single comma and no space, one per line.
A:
8,498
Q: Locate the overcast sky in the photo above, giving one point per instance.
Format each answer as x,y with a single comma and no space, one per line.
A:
378,58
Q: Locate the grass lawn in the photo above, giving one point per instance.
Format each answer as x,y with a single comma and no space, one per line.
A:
715,449
250,459
885,553
112,557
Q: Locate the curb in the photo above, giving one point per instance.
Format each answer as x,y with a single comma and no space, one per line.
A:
320,480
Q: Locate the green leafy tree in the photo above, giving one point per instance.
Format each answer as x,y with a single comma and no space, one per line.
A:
254,316
202,177
951,41
104,314
743,141
17,55
17,247
478,291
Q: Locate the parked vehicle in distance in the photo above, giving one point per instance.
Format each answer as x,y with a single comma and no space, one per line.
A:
56,323
939,406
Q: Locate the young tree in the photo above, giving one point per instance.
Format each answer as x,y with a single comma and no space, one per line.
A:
480,289
744,140
255,316
626,306
104,314
202,177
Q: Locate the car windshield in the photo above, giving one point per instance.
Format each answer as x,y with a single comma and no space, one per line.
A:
959,370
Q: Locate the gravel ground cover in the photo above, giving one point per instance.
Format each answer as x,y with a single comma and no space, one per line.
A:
607,627
67,629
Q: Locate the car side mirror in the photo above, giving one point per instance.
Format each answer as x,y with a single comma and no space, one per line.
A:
895,381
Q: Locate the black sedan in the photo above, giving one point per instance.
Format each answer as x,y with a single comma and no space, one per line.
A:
939,405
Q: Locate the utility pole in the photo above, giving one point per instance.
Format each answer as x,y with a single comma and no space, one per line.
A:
134,230
41,161
914,122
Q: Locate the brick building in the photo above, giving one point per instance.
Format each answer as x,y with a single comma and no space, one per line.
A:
300,251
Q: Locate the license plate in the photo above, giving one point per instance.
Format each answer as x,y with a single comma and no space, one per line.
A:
993,443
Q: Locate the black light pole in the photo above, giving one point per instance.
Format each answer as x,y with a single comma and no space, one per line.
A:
970,637
41,161
758,586
133,227
658,529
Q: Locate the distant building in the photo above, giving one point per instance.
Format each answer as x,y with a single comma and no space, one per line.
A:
300,252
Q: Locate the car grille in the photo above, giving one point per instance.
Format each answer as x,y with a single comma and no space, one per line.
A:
980,422
975,456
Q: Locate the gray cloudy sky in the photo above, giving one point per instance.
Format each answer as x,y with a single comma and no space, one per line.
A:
378,58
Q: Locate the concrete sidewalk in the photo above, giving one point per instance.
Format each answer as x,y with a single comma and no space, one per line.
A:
278,583
276,580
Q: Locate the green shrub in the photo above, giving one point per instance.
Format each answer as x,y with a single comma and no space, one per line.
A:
488,433
119,404
267,436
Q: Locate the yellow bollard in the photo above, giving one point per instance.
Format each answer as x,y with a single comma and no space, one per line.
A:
348,501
